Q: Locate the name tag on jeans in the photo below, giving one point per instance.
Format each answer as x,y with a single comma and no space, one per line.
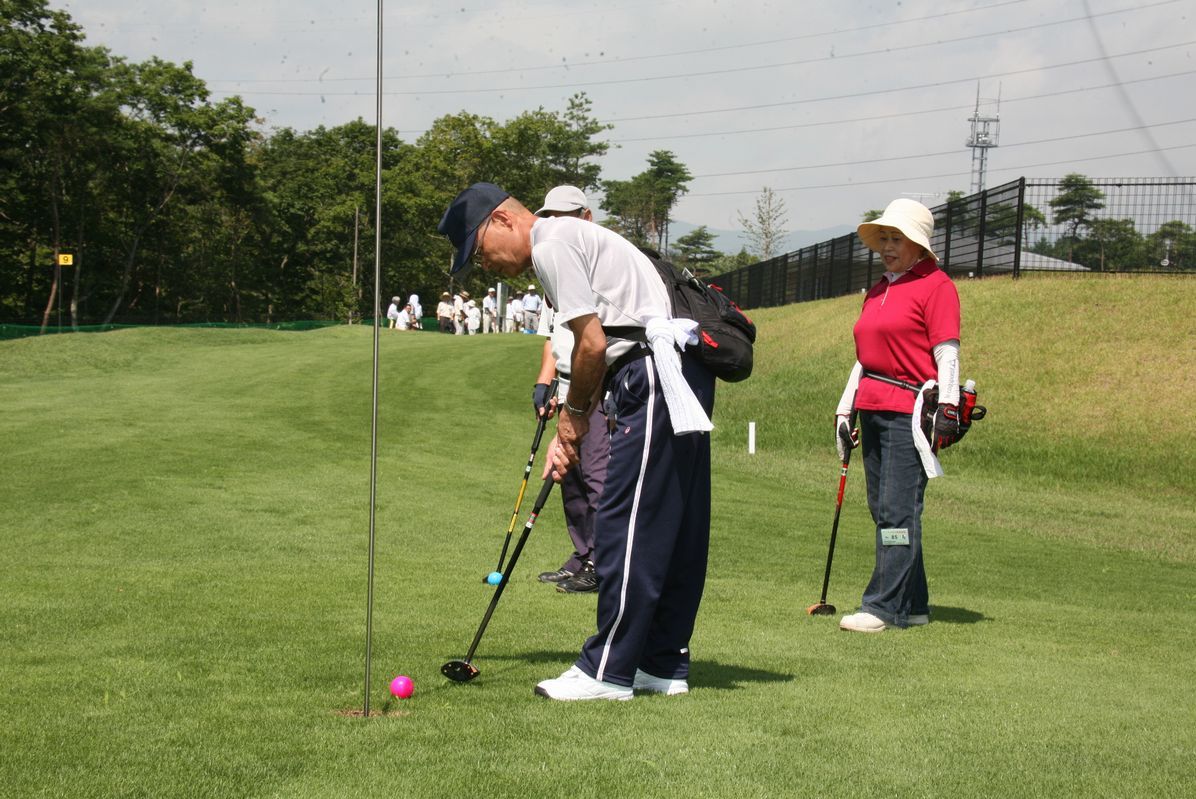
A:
894,537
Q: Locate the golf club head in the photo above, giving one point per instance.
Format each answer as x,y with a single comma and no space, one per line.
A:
459,671
821,609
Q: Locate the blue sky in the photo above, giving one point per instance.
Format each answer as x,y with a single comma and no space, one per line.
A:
838,106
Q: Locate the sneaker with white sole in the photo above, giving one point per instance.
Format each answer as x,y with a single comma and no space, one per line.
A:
862,623
652,684
575,685
918,620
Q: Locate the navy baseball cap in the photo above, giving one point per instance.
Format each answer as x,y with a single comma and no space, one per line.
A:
465,215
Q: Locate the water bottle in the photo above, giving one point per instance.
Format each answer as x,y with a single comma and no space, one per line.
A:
967,396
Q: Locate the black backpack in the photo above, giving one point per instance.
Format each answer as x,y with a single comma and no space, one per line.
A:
725,334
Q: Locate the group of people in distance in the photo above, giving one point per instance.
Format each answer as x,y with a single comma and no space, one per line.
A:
459,313
406,317
632,450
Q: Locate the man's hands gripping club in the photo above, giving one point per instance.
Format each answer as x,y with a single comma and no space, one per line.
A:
587,370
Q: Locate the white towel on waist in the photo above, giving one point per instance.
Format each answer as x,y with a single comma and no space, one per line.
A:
930,462
664,336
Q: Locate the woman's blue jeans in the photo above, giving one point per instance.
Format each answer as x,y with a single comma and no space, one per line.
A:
896,485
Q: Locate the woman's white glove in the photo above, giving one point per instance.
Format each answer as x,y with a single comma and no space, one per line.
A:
845,437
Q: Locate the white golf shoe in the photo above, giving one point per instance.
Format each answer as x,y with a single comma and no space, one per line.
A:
918,620
652,684
576,685
862,623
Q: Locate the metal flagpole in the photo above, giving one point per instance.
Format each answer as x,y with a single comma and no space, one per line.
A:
369,602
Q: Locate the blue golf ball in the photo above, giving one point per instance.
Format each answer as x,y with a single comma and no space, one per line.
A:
494,578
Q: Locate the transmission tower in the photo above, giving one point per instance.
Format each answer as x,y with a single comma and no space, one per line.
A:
986,129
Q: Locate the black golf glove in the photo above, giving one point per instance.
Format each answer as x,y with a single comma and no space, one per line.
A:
946,430
845,437
540,398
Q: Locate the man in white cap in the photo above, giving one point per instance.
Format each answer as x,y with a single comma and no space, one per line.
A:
490,312
581,486
652,529
566,201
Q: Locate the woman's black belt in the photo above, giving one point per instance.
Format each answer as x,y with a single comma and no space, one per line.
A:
892,381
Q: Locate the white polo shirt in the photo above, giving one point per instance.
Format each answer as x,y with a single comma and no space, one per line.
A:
588,269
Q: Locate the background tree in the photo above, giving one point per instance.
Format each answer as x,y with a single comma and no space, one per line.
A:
527,156
729,263
1114,244
628,204
1002,222
765,231
640,208
695,250
56,108
1033,221
315,184
540,149
1073,206
1174,242
961,218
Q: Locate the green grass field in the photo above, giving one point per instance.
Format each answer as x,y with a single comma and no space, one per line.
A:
185,518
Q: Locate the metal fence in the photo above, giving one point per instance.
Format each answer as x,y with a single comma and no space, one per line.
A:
1132,224
1129,224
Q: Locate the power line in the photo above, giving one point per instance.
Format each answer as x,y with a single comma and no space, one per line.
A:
704,51
895,115
716,72
935,85
942,175
939,154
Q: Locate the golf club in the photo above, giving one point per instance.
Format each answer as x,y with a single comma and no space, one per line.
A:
464,670
822,608
541,422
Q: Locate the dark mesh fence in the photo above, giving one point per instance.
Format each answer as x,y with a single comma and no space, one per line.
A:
1112,224
1058,225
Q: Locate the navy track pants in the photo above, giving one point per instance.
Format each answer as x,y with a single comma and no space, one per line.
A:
652,531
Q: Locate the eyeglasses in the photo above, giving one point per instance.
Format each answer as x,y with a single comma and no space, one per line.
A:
476,258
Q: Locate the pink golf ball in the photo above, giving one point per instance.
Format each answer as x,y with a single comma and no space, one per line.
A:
402,686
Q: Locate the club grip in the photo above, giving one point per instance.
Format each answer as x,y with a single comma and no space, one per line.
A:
542,497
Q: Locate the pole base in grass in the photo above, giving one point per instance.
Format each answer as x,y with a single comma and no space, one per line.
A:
821,609
459,671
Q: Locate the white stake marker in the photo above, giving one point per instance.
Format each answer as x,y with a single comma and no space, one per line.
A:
751,438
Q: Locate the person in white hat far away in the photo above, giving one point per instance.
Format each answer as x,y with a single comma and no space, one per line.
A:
906,337
531,310
490,312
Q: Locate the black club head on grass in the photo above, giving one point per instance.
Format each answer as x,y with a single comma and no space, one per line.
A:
459,671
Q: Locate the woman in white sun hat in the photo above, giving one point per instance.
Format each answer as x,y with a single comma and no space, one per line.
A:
906,339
